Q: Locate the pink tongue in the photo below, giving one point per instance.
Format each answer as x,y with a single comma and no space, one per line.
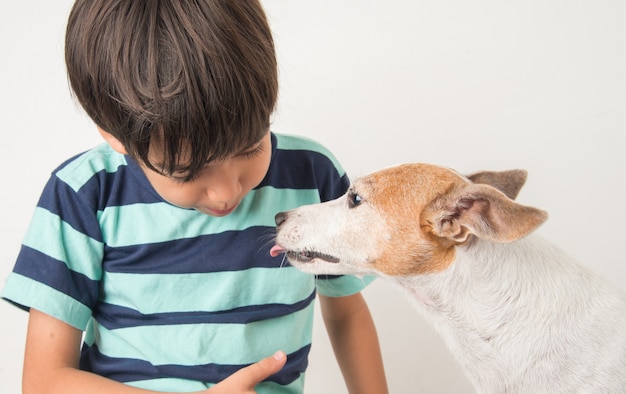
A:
276,250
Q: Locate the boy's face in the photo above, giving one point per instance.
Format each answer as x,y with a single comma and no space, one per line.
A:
219,188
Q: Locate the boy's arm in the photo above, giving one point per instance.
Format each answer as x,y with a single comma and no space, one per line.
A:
355,343
52,356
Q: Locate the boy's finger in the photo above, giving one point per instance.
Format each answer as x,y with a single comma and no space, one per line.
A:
257,372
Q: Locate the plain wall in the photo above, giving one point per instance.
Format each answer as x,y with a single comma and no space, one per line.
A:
483,85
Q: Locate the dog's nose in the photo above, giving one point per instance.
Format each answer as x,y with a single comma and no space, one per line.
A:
280,218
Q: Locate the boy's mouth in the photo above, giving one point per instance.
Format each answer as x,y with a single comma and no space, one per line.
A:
220,212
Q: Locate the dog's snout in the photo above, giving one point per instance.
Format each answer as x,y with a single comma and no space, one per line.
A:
280,218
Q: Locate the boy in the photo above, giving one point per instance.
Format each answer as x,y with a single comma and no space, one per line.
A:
156,244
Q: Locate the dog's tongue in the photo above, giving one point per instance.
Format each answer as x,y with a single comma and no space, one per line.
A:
276,250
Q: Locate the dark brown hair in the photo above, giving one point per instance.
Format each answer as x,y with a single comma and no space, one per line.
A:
196,78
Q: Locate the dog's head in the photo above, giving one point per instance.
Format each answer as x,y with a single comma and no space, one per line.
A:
405,220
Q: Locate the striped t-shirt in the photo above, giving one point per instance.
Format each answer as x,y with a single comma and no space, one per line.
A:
172,299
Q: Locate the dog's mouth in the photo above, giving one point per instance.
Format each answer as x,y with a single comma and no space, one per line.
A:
308,256
303,256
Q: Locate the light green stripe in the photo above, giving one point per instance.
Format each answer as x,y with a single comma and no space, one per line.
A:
296,387
80,170
290,142
217,344
159,222
212,292
170,385
54,237
27,292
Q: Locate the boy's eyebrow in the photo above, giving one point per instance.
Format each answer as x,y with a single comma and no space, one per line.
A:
251,147
183,168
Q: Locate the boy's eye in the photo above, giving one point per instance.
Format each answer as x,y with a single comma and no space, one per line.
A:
252,153
181,178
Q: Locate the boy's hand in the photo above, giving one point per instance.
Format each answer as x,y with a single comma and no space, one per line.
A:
245,380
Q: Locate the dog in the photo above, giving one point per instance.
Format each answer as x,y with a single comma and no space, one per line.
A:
518,314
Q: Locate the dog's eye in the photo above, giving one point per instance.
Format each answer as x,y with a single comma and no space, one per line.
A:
354,200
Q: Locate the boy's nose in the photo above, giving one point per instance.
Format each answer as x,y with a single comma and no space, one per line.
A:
224,190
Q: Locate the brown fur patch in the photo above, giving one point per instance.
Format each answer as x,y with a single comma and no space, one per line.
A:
400,195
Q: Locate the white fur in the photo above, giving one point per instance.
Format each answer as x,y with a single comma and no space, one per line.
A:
521,318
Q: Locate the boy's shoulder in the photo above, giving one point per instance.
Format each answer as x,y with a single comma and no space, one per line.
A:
298,142
289,142
80,168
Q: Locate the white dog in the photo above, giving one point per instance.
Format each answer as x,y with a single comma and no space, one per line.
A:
519,315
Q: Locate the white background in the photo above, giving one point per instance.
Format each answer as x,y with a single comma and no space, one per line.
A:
495,85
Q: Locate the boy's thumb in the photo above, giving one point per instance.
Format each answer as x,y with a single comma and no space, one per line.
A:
269,365
259,371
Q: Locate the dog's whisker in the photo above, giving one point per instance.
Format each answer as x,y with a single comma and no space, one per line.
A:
283,261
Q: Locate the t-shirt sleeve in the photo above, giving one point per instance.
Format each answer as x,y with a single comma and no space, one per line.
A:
58,268
341,286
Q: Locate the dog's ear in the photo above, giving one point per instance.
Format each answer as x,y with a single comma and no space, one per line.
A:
483,211
508,182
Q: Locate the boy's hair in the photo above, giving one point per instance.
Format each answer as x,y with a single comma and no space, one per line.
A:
196,78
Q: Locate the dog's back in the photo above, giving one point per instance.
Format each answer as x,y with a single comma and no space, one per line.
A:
523,318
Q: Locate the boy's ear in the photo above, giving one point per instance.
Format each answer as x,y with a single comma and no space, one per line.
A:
114,142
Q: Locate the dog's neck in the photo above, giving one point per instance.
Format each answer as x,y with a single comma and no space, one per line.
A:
487,274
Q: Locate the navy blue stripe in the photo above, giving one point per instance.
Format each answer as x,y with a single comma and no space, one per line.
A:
228,251
287,167
114,317
125,187
80,213
129,370
54,273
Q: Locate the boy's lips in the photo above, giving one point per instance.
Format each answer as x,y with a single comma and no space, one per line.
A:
221,212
